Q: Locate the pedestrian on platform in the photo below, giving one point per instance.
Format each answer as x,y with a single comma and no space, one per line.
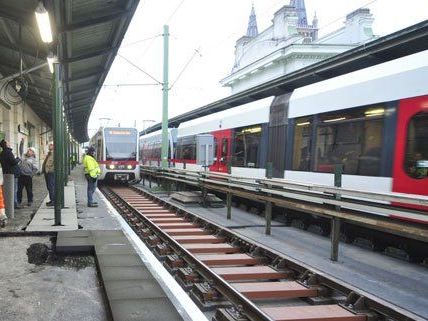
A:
9,164
3,217
48,169
29,168
92,171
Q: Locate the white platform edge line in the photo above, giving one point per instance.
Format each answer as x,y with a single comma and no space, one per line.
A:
179,298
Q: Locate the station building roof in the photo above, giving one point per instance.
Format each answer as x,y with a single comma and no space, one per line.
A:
396,45
87,33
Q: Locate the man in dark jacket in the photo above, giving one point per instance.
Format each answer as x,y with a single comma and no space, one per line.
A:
48,169
9,165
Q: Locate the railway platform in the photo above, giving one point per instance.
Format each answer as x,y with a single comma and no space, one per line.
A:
393,280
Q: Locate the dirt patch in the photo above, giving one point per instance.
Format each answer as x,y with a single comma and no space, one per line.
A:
40,254
37,253
69,261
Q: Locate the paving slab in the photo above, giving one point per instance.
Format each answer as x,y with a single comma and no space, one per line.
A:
112,260
91,218
74,245
133,289
149,309
43,220
115,273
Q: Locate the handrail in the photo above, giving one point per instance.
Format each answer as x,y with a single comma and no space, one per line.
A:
275,183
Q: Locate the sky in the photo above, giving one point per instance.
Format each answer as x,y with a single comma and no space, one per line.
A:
202,43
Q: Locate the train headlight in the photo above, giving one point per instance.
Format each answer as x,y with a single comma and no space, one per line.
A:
129,167
111,167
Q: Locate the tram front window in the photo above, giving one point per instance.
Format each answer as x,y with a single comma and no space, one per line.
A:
416,158
121,145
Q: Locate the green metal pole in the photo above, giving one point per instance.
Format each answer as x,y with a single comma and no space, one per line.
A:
64,152
57,115
61,186
165,85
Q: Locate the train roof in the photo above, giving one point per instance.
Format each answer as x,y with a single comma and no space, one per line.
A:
156,134
397,79
249,114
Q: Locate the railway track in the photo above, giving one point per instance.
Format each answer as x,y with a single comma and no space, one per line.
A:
236,278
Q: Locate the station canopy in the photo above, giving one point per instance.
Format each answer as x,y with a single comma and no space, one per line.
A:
87,34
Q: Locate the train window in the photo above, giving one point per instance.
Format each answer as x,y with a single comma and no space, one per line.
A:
353,139
302,145
215,147
246,147
186,148
416,158
224,149
121,144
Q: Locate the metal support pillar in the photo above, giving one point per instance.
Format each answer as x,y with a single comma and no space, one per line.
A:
9,194
229,195
335,221
58,142
268,216
165,89
268,206
66,162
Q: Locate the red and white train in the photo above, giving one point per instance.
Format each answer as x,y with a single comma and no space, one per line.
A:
373,121
117,152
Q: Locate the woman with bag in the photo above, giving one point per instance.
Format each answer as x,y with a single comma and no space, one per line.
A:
29,168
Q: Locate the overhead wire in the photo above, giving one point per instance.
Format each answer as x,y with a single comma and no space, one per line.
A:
129,85
195,53
139,41
140,69
174,12
343,16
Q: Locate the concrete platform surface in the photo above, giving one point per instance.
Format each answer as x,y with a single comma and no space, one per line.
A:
52,291
91,218
132,290
23,215
396,281
43,220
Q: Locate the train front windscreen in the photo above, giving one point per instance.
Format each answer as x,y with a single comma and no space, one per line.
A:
121,144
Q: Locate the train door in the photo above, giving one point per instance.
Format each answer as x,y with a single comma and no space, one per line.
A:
222,143
410,171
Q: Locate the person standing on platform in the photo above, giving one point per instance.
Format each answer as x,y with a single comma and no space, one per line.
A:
3,217
48,169
10,168
29,168
92,171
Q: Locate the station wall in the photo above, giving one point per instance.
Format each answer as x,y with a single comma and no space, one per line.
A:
21,126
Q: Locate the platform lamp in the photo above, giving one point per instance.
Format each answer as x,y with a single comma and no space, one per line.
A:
43,22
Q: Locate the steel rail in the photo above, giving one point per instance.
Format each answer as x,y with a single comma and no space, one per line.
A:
358,201
251,310
414,199
372,302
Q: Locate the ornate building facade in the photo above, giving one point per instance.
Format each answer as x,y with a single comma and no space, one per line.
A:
290,43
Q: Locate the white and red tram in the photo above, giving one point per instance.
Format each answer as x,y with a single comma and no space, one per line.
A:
374,121
116,150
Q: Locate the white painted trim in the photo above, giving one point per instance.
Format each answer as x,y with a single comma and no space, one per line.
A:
357,182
